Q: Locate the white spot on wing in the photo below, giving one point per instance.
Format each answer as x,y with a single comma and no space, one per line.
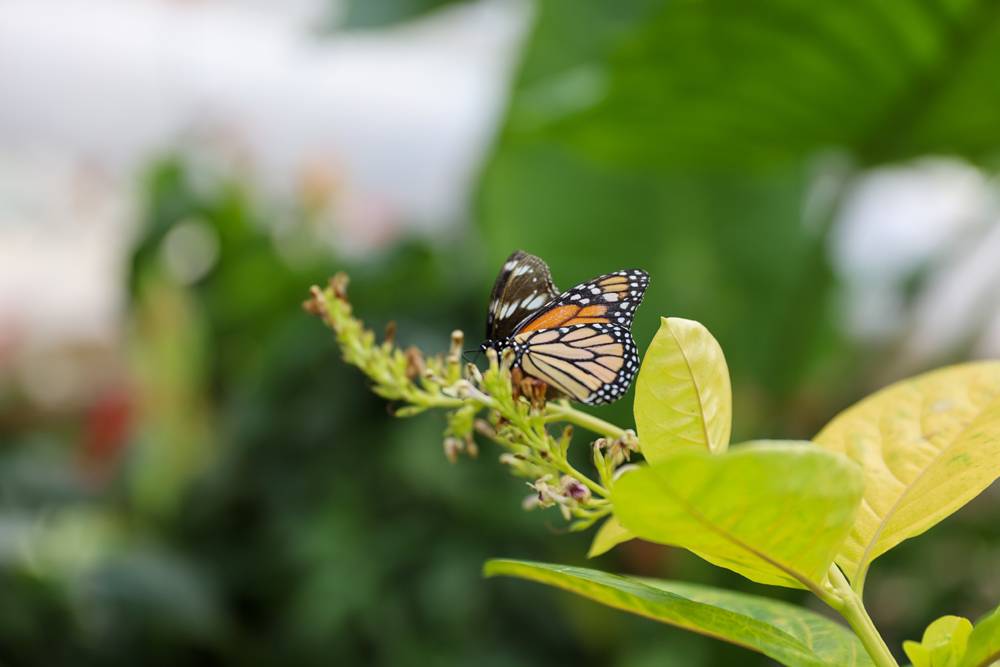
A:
537,302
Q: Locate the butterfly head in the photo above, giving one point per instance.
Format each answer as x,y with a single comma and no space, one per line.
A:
498,345
490,344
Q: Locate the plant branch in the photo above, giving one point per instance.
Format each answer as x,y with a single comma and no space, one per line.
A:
848,604
491,402
562,411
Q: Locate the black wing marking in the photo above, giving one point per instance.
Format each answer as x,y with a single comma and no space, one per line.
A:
523,286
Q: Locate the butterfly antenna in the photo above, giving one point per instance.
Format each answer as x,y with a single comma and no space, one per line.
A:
475,359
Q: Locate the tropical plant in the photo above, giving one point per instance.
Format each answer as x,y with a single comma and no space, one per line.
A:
809,515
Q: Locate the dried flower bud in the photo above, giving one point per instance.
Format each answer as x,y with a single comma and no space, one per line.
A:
548,495
630,440
415,366
390,332
338,285
312,306
452,448
534,390
621,449
471,448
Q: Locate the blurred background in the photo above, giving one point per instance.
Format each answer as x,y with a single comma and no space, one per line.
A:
189,474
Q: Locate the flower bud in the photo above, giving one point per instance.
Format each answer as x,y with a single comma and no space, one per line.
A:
452,448
574,489
483,427
415,366
455,351
338,285
473,374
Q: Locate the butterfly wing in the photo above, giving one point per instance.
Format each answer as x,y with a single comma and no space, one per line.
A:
591,363
610,299
523,286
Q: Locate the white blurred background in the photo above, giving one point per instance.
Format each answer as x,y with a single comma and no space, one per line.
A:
390,124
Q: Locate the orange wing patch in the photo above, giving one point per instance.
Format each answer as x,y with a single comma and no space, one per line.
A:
589,315
618,284
568,315
551,319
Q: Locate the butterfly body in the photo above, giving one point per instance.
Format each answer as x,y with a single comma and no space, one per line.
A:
578,342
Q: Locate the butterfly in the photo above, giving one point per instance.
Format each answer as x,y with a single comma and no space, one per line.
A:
577,342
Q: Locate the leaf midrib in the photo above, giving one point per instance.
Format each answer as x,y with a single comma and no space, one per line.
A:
694,513
697,389
556,581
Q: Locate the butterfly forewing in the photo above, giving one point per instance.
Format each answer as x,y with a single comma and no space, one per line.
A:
522,288
592,363
610,299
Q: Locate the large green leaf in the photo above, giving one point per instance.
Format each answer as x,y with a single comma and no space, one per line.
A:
723,83
927,446
776,512
983,647
682,395
784,632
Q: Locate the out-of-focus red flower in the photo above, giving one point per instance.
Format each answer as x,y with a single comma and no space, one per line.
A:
106,427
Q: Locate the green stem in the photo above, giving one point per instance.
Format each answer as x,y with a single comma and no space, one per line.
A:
563,412
859,581
850,606
567,468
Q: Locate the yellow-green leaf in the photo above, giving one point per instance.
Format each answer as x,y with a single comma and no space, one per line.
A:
786,633
776,512
682,395
927,446
983,647
609,535
943,643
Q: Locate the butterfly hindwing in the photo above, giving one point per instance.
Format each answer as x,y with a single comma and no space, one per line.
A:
591,363
609,299
522,288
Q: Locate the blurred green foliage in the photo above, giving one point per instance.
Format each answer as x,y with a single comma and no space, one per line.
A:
261,507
